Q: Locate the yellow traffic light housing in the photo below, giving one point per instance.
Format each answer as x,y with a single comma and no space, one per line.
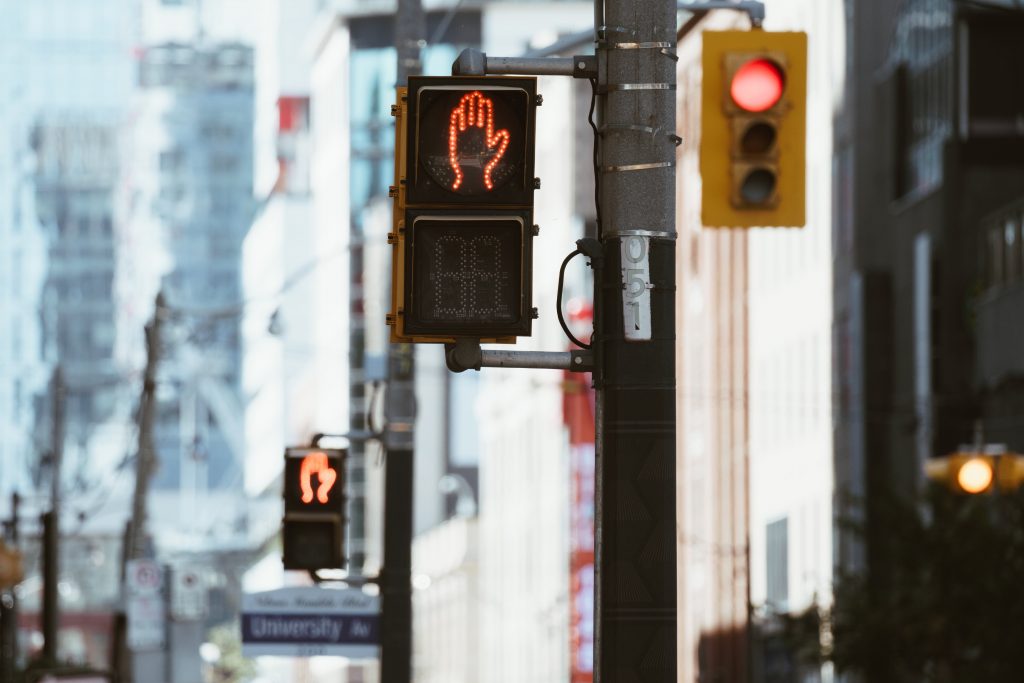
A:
1010,472
753,128
973,473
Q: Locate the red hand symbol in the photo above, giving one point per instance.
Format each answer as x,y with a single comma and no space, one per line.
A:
475,110
316,463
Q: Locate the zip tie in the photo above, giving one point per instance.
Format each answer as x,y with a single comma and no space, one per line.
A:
640,86
629,126
614,29
639,46
638,167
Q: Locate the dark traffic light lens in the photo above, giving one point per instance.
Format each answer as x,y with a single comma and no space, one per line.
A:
471,142
758,138
757,85
311,544
468,271
758,186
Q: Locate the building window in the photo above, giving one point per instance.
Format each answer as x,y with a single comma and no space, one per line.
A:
994,260
995,106
921,60
1003,261
1011,249
777,564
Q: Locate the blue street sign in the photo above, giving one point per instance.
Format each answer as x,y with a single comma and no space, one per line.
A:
311,621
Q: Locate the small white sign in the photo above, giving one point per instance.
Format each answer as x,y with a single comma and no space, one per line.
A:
636,293
310,621
188,595
144,576
144,605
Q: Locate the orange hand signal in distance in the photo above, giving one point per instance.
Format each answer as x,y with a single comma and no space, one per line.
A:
316,463
475,110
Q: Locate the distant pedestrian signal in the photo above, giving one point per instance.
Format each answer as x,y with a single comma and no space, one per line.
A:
314,508
316,464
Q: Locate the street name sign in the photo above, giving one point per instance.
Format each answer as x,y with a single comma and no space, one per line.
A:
308,621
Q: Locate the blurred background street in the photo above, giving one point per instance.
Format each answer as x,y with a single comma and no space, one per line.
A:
195,274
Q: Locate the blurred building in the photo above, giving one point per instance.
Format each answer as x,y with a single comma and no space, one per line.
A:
76,173
281,346
712,380
755,419
23,264
929,150
76,84
447,603
67,75
184,207
790,392
191,188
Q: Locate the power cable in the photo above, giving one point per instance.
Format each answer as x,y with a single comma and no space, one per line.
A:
558,302
596,156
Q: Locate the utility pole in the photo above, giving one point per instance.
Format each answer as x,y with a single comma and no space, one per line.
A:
51,525
135,540
146,458
396,572
635,638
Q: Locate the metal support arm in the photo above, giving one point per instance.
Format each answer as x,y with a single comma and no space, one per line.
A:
473,62
753,8
466,354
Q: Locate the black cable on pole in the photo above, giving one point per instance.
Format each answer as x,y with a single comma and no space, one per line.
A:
558,304
597,168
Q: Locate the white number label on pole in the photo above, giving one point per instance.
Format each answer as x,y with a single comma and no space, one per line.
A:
636,294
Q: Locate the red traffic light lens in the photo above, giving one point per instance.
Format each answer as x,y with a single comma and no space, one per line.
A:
757,85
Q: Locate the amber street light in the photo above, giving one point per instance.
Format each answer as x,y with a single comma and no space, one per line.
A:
975,475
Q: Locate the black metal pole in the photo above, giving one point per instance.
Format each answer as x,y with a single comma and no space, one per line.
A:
396,573
50,576
635,313
51,527
9,606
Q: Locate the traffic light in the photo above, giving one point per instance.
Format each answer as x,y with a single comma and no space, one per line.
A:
753,128
977,472
11,568
314,508
463,222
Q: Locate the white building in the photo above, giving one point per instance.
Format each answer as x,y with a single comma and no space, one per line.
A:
447,603
790,314
524,453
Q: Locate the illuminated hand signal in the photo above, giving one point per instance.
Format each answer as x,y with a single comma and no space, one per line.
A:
475,110
316,463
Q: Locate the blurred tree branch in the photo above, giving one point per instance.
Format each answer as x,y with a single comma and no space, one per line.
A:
943,597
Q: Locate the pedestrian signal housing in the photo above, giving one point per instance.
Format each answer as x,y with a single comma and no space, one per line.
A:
463,221
314,508
753,128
